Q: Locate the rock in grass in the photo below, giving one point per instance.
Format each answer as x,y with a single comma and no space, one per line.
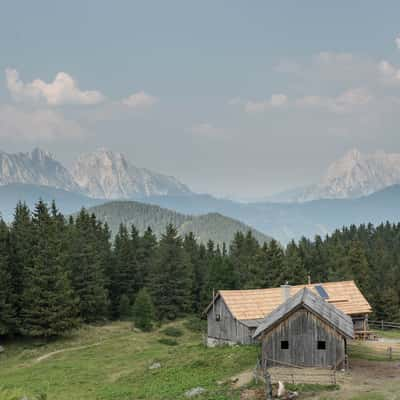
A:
195,392
155,365
2,349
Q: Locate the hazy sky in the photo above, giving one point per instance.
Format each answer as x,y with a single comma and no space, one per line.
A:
241,98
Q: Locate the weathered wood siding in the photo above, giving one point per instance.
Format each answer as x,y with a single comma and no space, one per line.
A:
303,330
227,329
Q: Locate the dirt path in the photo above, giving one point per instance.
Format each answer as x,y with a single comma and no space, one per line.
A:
77,348
242,379
67,349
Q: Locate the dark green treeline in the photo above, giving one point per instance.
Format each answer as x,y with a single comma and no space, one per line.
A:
56,273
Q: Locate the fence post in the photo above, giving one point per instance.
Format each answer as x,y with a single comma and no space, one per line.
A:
382,324
390,351
268,385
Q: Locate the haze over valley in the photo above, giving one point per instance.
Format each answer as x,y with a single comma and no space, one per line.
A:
358,188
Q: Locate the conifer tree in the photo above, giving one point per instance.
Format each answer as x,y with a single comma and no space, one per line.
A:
273,265
293,270
171,283
198,261
123,274
143,311
357,265
22,243
146,258
87,268
7,315
49,307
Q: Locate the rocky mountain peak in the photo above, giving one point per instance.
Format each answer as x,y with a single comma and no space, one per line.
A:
107,174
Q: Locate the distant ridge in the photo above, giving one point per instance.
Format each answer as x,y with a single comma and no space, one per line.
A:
211,226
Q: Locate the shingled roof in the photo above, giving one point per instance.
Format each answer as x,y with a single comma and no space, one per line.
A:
255,304
305,298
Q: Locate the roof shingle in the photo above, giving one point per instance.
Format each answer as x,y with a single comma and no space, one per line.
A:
257,303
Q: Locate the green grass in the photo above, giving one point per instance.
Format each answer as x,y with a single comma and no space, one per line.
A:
389,334
365,352
118,366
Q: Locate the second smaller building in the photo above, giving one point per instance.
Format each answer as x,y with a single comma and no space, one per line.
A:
305,331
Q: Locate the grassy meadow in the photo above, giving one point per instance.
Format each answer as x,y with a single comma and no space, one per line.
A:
112,362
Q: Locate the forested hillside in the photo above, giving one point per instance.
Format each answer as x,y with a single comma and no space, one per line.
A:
212,226
56,274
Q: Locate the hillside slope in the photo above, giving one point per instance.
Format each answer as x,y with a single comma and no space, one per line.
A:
286,221
212,226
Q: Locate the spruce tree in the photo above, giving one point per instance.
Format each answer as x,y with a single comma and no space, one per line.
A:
171,283
49,307
293,270
145,258
123,274
22,242
273,264
357,266
7,314
143,311
87,268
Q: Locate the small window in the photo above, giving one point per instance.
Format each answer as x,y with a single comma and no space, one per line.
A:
284,344
321,345
218,317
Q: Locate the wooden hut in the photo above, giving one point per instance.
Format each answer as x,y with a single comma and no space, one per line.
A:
234,315
305,331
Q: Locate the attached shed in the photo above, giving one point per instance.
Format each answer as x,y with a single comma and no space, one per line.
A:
234,315
223,326
305,331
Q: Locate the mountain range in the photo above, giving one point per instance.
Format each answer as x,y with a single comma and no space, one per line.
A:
354,175
101,174
358,188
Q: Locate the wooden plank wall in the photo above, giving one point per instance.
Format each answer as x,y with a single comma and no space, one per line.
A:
303,330
227,329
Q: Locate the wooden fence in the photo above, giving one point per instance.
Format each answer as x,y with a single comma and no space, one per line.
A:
376,350
384,325
297,374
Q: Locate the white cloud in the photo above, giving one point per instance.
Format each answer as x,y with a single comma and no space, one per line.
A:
397,41
63,90
140,100
276,101
389,74
206,129
348,101
37,125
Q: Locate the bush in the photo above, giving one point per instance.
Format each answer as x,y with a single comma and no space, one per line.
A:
168,342
195,324
172,331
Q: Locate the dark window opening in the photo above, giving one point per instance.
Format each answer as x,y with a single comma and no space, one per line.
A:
218,317
321,345
284,344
